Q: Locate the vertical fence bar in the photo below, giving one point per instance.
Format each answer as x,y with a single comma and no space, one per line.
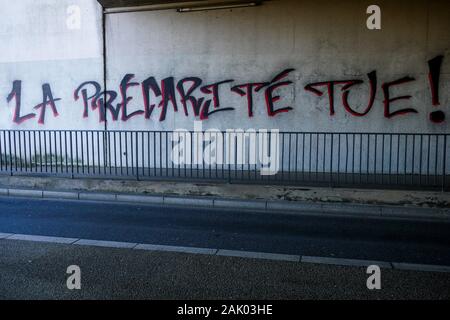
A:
50,150
132,152
405,171
148,154
120,152
166,142
115,152
382,159
420,160
71,152
25,145
56,151
20,150
137,155
375,178
228,138
126,151
107,154
1,151
15,150
444,164
76,154
353,158
331,159
436,160
397,155
368,159
98,153
87,150
296,157
339,159
303,156
66,151
154,153
187,145
10,153
93,151
143,153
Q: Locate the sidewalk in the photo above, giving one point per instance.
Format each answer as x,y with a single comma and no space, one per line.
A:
288,199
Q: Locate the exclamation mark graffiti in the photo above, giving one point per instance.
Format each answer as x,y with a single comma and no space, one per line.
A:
434,66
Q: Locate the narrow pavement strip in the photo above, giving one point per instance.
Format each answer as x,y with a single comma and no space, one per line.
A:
282,206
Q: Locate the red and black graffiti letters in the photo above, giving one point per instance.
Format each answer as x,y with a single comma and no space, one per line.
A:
47,101
205,100
16,94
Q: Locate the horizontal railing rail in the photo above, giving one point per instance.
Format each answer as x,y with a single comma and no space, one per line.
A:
387,160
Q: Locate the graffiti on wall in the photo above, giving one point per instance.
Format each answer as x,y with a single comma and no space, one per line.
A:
170,94
202,101
434,65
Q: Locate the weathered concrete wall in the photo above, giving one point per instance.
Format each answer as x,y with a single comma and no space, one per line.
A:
162,67
322,40
48,42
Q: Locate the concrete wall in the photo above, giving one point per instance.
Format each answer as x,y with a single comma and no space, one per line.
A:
41,43
322,40
313,41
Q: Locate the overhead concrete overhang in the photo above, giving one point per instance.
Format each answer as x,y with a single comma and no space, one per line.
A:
135,3
115,6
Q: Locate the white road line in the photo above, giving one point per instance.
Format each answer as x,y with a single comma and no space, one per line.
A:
420,267
5,235
24,237
345,262
228,253
106,244
259,255
153,247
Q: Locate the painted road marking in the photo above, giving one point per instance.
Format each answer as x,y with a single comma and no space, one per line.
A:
420,267
259,255
153,247
106,244
227,253
5,235
345,262
25,237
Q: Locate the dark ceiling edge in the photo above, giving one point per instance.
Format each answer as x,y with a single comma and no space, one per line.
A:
107,4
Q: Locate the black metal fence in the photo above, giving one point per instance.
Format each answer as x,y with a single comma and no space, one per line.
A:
265,157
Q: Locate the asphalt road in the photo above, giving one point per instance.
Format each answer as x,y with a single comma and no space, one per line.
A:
31,270
394,240
36,270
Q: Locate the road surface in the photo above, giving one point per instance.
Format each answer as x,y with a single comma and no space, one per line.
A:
37,270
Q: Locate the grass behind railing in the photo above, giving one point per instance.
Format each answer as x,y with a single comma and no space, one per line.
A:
10,160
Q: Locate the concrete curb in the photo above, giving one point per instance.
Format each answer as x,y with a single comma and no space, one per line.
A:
60,195
240,204
286,207
197,202
97,196
139,199
25,193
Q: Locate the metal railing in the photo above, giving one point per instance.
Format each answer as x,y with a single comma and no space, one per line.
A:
304,158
